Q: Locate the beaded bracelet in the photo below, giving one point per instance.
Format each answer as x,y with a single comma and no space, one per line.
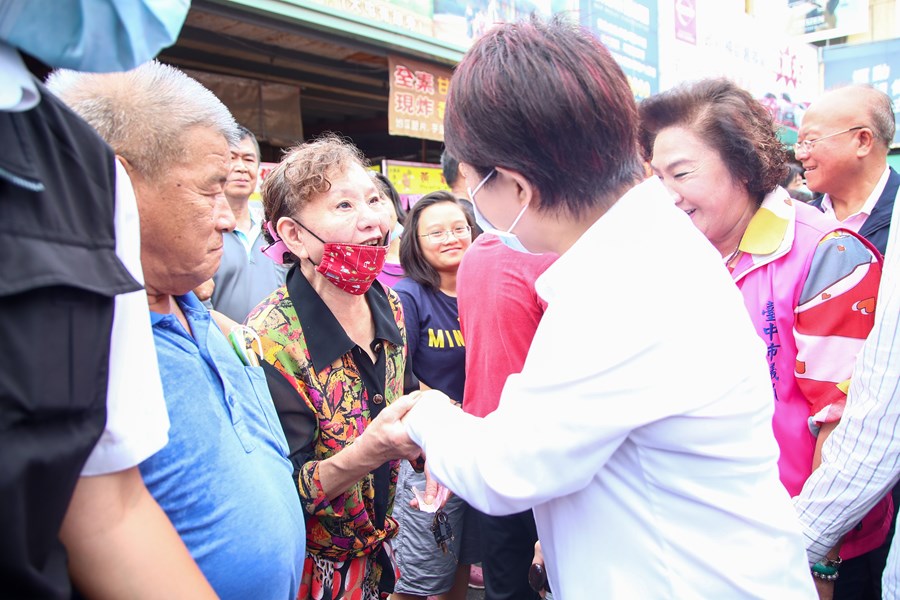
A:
826,570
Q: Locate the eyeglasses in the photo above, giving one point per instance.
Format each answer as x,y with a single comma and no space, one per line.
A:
807,145
439,237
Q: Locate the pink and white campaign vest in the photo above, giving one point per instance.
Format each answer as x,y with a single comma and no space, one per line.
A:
778,251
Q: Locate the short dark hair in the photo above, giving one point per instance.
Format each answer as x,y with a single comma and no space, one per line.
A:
412,258
244,133
729,120
546,99
450,168
390,192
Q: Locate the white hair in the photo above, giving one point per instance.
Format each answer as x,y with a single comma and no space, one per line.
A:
144,113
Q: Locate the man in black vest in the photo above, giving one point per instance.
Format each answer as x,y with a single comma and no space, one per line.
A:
80,398
843,145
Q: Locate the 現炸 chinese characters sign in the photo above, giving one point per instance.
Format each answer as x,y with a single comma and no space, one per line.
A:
418,98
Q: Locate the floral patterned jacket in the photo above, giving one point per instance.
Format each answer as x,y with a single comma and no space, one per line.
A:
323,392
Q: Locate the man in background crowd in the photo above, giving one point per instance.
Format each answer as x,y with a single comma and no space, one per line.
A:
246,275
843,145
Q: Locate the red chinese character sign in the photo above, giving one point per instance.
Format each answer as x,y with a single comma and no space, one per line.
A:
418,98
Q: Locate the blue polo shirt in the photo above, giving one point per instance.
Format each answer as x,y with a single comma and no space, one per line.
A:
224,478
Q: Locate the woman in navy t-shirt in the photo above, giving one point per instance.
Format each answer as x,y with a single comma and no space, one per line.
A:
438,233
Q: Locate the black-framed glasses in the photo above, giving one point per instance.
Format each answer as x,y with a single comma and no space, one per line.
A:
807,145
439,237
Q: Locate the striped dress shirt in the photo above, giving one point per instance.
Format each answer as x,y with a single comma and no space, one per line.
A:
861,458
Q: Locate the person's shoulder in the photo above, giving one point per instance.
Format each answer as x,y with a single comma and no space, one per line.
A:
408,286
845,245
275,311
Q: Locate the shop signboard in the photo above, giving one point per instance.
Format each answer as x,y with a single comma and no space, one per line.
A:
826,19
629,28
413,179
686,21
733,44
410,16
418,98
463,21
877,64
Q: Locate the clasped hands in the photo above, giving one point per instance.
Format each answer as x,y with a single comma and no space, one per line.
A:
388,433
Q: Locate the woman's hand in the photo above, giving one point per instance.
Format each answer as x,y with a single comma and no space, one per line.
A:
385,438
434,497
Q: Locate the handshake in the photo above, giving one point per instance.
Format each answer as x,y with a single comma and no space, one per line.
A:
387,437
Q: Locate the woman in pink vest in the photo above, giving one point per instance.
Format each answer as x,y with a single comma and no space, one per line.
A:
809,286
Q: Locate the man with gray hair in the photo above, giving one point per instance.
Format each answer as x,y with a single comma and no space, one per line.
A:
843,145
223,479
81,403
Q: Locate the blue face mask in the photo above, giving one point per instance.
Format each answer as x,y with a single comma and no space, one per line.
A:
509,239
92,35
396,232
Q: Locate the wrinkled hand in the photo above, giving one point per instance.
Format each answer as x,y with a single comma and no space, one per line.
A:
386,438
204,291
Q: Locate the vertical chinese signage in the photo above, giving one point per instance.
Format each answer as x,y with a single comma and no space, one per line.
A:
686,21
629,28
417,99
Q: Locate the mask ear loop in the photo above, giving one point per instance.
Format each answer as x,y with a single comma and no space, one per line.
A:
277,249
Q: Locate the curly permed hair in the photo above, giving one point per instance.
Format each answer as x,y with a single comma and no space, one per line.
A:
306,171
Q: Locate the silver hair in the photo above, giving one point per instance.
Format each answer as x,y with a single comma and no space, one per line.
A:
881,111
144,113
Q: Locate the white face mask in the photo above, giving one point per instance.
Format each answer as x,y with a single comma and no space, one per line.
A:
509,239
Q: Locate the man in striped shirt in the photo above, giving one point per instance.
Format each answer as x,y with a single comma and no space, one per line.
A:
861,458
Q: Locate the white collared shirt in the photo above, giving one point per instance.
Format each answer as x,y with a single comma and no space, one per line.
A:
640,428
855,221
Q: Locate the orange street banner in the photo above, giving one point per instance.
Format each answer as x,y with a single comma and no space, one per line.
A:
418,98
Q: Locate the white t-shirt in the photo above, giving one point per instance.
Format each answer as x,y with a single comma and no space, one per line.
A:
137,423
640,428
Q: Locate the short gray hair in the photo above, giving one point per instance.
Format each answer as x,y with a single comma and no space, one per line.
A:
144,113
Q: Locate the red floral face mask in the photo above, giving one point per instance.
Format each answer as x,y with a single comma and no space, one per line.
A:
351,267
